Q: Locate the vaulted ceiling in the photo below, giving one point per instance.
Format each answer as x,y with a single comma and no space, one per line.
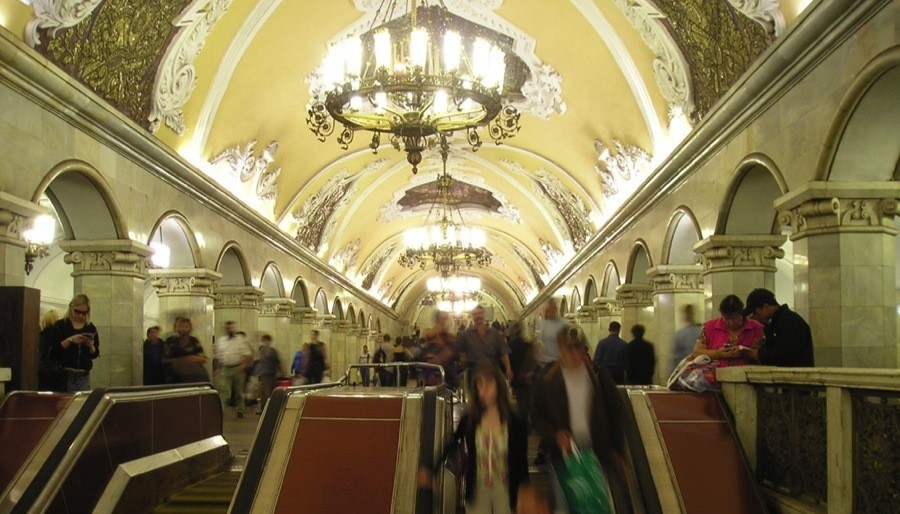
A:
617,84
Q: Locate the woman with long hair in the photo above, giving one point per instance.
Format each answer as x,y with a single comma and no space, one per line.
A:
496,440
184,354
68,348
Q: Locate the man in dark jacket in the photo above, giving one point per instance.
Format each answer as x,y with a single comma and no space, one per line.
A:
788,337
572,404
640,359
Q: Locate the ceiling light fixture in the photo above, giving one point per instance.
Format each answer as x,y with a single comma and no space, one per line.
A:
445,245
418,76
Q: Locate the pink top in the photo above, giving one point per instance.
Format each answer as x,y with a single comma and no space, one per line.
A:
715,336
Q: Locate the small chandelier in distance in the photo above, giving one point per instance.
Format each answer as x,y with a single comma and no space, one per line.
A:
418,77
446,246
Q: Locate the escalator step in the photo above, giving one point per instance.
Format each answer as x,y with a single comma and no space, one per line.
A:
210,496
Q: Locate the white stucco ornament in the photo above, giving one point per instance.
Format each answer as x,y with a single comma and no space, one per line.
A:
176,76
55,15
765,12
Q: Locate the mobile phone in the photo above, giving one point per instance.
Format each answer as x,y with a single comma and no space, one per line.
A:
89,335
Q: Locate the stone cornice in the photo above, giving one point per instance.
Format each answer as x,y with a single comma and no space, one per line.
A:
673,278
238,297
788,60
832,207
185,281
118,257
851,378
739,253
37,79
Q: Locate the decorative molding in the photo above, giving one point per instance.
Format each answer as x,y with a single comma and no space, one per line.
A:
670,67
572,214
11,227
765,12
676,279
739,253
607,306
345,259
628,164
242,165
532,266
117,258
187,282
507,210
371,269
315,218
176,75
238,297
55,15
635,295
551,253
303,316
276,307
542,93
829,207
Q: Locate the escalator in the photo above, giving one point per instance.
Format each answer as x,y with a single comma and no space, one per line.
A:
210,496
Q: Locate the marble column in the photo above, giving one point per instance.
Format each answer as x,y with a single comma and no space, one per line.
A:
737,264
338,348
239,304
844,269
608,310
112,274
587,318
637,308
15,214
325,326
187,292
303,319
674,286
352,343
275,319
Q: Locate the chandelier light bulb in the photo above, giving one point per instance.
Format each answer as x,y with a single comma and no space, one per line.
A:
497,68
162,255
381,100
382,49
418,47
353,56
356,102
481,57
333,69
452,50
440,102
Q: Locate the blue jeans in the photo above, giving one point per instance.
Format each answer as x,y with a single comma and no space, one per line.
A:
78,382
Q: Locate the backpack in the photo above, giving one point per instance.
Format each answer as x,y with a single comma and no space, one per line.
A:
380,357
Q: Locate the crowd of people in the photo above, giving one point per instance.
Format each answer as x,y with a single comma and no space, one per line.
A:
551,386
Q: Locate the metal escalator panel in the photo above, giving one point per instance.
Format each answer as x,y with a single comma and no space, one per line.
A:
211,496
696,459
344,456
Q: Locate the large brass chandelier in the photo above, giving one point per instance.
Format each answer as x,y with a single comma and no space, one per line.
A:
456,294
444,244
418,77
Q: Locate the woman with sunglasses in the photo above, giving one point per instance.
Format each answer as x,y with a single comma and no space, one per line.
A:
69,347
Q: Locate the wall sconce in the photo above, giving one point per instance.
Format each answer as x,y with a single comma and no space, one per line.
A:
38,237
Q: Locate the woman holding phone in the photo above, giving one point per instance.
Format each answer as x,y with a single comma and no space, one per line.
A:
70,345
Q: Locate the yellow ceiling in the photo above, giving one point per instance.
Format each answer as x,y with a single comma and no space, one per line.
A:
266,97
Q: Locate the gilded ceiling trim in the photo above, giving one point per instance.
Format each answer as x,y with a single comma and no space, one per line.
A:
670,66
374,265
718,43
344,260
239,164
114,47
177,76
315,219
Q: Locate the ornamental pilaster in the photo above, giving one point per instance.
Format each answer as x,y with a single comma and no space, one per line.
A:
840,207
637,308
844,244
184,282
117,257
587,318
634,295
275,320
14,217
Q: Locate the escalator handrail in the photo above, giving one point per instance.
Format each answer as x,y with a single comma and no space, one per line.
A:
95,400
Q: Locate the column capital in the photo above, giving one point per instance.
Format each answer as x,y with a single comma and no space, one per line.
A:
341,326
607,306
588,314
739,252
241,297
122,257
831,207
676,278
325,320
634,295
301,315
277,307
185,281
14,215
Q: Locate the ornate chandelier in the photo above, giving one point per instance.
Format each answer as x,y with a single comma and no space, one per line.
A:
446,246
418,77
456,294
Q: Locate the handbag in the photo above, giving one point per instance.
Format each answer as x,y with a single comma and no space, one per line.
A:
584,483
697,375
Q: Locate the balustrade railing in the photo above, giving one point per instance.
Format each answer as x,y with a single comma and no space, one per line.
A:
820,439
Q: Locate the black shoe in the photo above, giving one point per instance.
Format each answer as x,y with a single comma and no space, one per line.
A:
240,414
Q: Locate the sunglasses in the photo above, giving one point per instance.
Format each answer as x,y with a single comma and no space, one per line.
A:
81,312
